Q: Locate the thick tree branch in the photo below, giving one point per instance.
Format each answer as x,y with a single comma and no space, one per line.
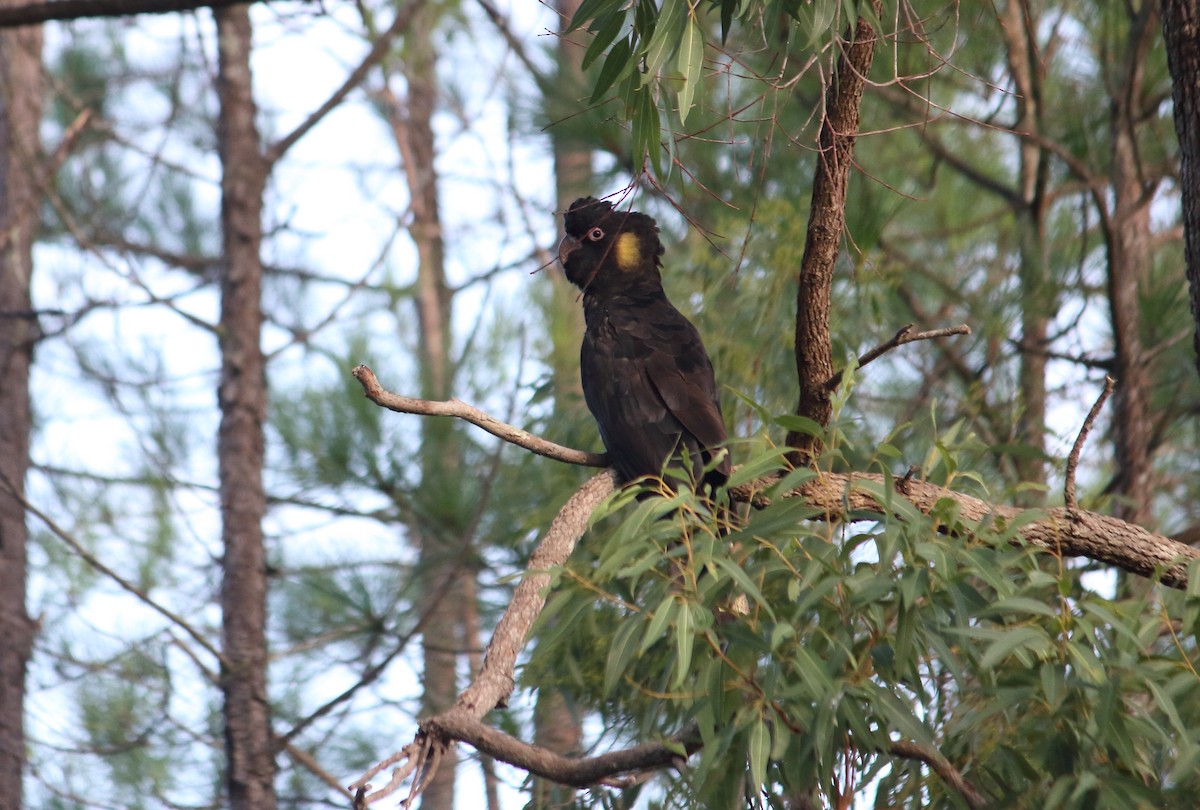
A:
36,13
514,435
1065,531
1062,531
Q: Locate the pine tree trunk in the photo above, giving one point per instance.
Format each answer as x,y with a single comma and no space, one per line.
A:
249,745
20,117
441,551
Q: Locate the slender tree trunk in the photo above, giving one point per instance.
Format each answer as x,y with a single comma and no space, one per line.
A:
441,551
20,117
1181,30
1037,290
249,745
826,221
1129,255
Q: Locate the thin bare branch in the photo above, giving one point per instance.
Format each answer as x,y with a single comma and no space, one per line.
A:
904,335
457,408
379,49
1073,459
94,561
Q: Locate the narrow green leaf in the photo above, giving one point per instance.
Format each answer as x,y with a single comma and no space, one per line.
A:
616,65
685,637
727,9
658,622
645,129
800,424
665,37
689,62
759,746
1033,639
744,582
1021,606
761,464
605,32
620,654
594,10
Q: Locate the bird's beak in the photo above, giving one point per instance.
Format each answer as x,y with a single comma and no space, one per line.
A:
565,247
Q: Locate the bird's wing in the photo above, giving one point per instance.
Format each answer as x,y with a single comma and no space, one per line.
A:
676,366
635,424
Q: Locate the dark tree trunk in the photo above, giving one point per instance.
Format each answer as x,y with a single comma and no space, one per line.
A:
20,117
826,220
1181,29
249,746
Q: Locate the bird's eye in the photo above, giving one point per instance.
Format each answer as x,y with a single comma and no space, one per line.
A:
595,234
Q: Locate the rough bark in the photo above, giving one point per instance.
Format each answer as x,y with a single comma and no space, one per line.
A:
827,219
1181,30
242,397
1130,252
20,117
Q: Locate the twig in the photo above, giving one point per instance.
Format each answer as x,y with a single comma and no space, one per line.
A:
905,335
1073,459
454,407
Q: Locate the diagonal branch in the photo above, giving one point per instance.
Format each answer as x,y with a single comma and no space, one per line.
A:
494,682
378,50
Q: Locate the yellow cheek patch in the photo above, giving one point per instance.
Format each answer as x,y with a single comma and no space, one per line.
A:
628,251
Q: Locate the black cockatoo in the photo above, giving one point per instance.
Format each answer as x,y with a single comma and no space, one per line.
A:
646,377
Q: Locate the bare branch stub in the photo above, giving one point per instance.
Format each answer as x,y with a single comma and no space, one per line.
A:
1073,459
457,408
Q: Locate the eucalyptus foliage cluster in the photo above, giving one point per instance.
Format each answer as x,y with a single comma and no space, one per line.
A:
796,655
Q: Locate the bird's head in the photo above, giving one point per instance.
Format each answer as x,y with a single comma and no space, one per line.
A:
606,250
